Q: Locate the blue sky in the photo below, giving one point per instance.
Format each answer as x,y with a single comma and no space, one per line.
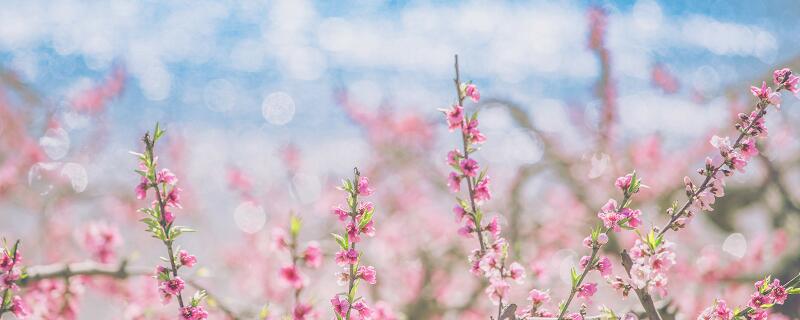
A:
205,65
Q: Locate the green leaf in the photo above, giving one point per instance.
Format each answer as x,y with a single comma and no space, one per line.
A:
294,225
574,276
793,291
765,284
635,183
158,132
347,185
198,297
341,241
366,219
482,175
264,313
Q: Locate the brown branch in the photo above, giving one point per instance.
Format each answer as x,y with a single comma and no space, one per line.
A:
93,269
644,296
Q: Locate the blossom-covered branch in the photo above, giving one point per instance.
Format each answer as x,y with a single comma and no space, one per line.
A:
615,217
93,269
734,157
652,255
489,260
310,257
10,259
769,292
358,222
159,219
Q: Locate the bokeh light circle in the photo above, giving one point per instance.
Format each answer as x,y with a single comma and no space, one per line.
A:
278,108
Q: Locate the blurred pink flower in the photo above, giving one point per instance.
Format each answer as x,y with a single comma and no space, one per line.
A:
363,186
313,255
587,290
346,257
472,92
367,273
291,275
186,259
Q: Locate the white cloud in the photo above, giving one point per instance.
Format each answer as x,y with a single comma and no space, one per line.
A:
506,42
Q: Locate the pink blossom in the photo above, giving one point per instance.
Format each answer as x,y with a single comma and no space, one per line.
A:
632,216
9,280
292,276
467,229
473,134
482,190
723,144
587,290
493,227
778,293
382,311
584,261
313,255
574,316
737,162
748,148
454,182
784,76
624,182
303,311
169,217
367,273
186,259
345,257
363,311
587,242
141,189
453,156
280,240
469,167
174,197
759,314
166,176
460,212
516,272
602,239
455,117
757,300
340,213
193,313
363,187
720,311
101,240
18,308
497,290
608,214
472,92
604,266
171,287
538,297
340,306
761,93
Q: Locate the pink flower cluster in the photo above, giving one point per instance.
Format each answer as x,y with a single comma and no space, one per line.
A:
101,241
735,155
652,258
489,260
159,220
769,292
10,273
310,257
614,217
357,220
